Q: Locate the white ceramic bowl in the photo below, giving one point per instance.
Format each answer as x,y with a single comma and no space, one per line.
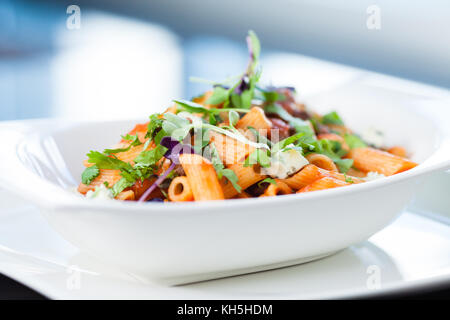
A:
178,243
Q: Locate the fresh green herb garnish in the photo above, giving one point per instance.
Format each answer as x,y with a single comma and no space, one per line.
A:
220,168
210,113
120,185
332,118
154,125
89,174
267,180
259,156
103,161
348,179
333,150
150,157
353,141
219,95
260,138
144,167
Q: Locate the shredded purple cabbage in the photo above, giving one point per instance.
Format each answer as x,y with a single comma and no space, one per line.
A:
174,149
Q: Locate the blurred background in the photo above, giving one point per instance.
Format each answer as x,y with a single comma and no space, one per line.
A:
121,59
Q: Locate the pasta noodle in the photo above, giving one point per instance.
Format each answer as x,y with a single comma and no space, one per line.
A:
311,173
255,119
246,176
322,184
307,175
322,161
370,159
397,151
106,175
180,190
279,188
230,150
202,177
126,195
242,195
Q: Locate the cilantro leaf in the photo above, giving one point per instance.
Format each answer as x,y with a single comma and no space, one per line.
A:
89,174
120,185
332,118
154,125
106,162
150,157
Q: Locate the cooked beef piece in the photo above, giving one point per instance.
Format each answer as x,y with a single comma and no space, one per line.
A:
293,107
281,127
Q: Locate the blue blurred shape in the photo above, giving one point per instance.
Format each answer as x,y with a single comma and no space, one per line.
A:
212,58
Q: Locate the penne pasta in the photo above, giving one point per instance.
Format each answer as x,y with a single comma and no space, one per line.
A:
230,150
126,195
305,176
340,176
311,173
356,173
202,177
140,129
180,190
322,184
397,151
322,161
255,119
247,176
242,195
370,159
277,189
106,175
130,155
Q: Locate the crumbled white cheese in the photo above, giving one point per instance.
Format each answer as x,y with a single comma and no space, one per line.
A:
285,163
374,137
100,193
373,175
